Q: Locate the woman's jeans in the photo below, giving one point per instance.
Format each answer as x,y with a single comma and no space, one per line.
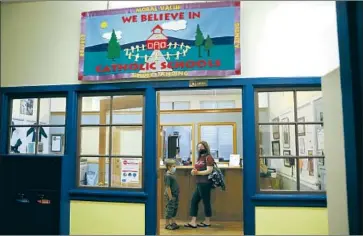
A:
202,192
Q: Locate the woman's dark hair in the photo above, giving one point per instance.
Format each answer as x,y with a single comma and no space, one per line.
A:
206,147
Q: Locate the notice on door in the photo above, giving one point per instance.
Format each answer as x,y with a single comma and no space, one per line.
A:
130,171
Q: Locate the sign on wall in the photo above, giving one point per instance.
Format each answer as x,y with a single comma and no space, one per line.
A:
197,39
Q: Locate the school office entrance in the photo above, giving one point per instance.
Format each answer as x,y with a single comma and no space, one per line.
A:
111,148
186,117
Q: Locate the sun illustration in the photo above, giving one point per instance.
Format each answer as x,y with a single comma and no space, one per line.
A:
104,25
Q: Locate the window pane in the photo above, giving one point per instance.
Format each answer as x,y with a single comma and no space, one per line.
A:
208,105
171,135
57,111
122,104
312,174
311,140
46,107
94,141
126,172
309,106
166,106
280,106
225,104
95,109
181,105
221,140
127,141
94,171
275,140
201,99
278,174
24,111
22,140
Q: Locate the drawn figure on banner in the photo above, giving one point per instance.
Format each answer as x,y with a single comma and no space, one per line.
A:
156,43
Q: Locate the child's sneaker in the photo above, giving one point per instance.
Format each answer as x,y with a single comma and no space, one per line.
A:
172,227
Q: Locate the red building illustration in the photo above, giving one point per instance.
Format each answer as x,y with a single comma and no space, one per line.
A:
157,41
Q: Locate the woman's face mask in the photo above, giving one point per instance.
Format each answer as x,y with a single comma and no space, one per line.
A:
202,151
172,169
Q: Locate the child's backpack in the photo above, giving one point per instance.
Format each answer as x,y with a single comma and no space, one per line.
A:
217,178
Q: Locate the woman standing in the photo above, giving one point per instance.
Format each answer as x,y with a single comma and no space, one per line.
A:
202,168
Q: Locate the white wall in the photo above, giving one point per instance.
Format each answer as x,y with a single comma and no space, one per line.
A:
335,154
277,39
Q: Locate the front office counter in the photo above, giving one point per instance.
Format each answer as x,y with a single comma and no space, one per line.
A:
226,205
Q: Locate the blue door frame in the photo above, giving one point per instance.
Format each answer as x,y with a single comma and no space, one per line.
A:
149,194
350,38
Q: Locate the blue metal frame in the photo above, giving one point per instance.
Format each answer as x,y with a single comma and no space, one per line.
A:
350,37
149,196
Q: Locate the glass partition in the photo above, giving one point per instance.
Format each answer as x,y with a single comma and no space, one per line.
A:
111,141
291,141
221,137
178,142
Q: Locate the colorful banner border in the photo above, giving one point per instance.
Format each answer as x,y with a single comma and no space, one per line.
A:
155,75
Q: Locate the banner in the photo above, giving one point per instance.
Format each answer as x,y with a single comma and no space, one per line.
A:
183,40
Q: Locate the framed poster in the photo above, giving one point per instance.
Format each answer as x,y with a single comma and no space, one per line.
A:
287,161
301,146
56,143
181,40
276,128
27,107
311,163
275,148
301,127
286,133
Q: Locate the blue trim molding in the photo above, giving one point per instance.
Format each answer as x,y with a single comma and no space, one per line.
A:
249,159
69,189
350,39
68,161
150,166
288,200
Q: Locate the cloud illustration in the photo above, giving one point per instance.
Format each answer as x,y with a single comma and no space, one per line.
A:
108,35
175,25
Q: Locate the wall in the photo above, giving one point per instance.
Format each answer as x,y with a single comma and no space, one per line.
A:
288,38
122,218
302,34
291,221
335,154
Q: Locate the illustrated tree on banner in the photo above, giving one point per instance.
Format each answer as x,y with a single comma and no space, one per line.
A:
208,44
199,40
41,133
114,49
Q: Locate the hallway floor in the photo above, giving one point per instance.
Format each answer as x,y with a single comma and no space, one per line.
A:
217,228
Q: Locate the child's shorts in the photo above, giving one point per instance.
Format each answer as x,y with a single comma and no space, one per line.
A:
171,207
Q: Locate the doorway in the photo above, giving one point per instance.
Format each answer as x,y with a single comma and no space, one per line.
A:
186,117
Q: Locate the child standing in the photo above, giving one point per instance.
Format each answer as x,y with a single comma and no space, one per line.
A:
171,195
